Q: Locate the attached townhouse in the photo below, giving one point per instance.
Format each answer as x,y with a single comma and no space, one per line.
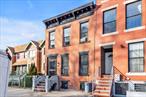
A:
23,56
104,43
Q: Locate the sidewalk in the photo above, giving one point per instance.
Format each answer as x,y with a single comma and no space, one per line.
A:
19,92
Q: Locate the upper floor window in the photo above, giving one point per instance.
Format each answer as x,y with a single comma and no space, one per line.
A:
17,56
84,32
65,64
109,21
133,14
52,39
83,62
136,57
31,53
66,36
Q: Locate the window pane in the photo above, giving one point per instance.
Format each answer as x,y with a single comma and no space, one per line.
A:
84,27
64,67
134,9
109,15
136,57
84,32
109,27
52,35
134,21
66,32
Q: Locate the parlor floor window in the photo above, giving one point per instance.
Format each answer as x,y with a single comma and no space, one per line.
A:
65,64
136,57
83,63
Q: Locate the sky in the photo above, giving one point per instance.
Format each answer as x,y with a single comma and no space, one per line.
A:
21,20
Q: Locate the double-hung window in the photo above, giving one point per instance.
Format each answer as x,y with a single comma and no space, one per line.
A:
136,57
65,64
109,21
66,36
52,39
84,32
83,63
133,14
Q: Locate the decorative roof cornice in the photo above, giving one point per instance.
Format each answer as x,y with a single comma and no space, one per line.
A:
77,13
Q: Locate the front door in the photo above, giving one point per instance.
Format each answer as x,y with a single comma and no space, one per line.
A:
52,67
107,61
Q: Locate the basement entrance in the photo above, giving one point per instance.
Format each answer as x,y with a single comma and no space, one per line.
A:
106,60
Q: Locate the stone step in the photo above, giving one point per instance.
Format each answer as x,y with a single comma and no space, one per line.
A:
102,88
96,94
102,91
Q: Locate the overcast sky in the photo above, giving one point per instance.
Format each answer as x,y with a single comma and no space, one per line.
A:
21,20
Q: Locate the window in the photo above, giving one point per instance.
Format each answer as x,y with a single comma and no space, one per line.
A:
17,56
64,84
66,36
65,62
109,22
140,87
31,53
83,61
52,39
136,57
133,14
82,86
84,32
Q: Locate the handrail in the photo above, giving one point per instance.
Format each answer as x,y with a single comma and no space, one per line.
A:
126,78
112,80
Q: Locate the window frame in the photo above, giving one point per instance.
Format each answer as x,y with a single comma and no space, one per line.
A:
80,65
115,21
138,57
87,21
52,39
126,17
67,36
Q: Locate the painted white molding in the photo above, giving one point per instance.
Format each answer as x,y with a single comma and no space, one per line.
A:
103,1
129,1
136,74
109,34
107,8
136,40
134,29
107,44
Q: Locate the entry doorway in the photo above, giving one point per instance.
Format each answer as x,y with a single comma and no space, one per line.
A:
107,60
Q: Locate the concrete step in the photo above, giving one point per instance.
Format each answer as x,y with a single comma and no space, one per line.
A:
40,86
39,89
102,91
96,94
102,88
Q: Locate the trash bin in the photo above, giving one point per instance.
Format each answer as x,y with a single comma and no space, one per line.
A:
4,73
88,87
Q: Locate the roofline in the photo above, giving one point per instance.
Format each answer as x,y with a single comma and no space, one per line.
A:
29,44
73,10
41,43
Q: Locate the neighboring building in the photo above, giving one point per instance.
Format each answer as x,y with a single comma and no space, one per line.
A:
23,56
87,43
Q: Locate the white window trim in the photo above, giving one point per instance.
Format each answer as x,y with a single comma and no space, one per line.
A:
134,29
136,40
108,8
103,1
109,34
107,44
136,74
128,1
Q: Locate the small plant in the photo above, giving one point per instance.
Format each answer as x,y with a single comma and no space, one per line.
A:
32,70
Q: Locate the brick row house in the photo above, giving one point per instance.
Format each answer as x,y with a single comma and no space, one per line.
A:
23,56
94,41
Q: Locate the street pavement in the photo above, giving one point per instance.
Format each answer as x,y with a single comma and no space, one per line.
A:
20,92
